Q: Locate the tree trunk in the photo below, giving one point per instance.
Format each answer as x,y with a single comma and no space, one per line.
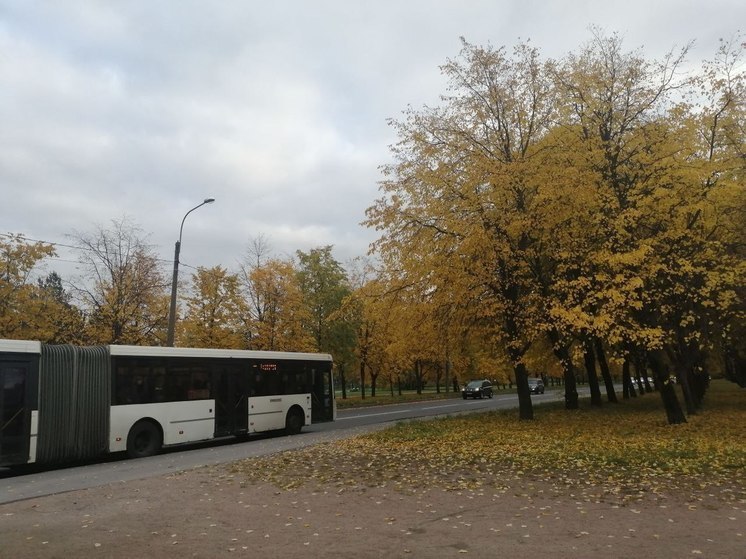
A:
700,377
691,375
562,353
681,359
590,367
674,413
605,373
525,407
641,375
343,381
628,389
362,380
684,379
448,374
418,373
373,382
735,366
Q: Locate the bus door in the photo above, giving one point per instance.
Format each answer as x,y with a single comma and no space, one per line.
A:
15,411
322,395
231,388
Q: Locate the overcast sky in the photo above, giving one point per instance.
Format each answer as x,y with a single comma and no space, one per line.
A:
277,109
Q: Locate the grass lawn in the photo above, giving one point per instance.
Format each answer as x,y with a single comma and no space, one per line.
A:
627,449
383,397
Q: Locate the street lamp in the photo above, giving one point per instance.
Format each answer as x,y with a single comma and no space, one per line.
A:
174,281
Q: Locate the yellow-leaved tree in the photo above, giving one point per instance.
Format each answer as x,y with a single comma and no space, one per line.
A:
459,204
595,201
614,104
655,279
33,310
276,312
216,312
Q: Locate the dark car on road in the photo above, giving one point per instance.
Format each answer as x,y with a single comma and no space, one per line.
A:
477,389
536,386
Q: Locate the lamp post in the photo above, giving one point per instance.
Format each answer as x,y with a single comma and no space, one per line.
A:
174,281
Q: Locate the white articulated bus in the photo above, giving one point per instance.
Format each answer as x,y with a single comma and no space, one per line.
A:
61,403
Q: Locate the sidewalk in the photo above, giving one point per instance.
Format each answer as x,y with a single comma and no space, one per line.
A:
208,513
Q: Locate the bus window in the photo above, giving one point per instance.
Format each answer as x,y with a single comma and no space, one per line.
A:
200,386
132,386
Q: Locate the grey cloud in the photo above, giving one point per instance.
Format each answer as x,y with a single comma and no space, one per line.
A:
278,110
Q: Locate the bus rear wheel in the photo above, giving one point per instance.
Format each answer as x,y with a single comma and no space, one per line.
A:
294,422
144,439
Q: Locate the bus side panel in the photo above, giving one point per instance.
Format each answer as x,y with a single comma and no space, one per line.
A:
181,422
268,413
34,435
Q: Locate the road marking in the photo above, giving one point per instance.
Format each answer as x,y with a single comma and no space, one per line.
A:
374,414
443,406
474,401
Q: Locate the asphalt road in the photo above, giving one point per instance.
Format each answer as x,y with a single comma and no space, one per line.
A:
33,481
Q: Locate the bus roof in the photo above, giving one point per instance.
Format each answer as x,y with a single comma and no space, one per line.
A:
30,346
153,351
20,346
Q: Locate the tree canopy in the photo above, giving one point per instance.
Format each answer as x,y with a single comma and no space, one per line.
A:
583,200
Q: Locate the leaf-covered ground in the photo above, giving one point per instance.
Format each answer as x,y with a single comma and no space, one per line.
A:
623,451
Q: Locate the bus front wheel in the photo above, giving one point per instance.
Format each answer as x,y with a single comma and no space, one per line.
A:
294,422
144,439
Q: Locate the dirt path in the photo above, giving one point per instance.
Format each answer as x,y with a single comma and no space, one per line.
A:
209,513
